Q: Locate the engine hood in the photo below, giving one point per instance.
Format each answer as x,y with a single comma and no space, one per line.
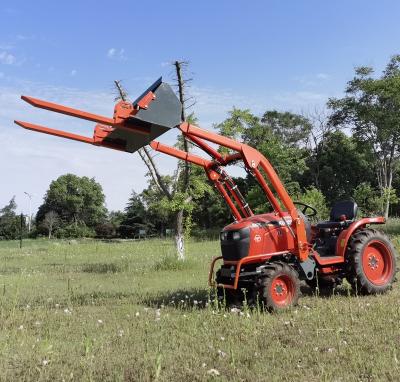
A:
260,221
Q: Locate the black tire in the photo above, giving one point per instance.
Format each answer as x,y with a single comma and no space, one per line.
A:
279,287
229,297
371,261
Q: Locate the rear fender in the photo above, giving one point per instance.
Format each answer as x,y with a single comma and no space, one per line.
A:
345,235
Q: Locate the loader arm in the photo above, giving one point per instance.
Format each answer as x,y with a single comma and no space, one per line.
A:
156,111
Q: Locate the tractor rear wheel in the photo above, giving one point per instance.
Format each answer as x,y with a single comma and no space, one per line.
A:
372,262
280,286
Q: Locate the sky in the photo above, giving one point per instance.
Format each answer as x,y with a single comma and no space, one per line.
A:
286,55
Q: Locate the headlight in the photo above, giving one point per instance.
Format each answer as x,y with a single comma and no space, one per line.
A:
224,235
236,236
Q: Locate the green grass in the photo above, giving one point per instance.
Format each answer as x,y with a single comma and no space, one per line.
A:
129,311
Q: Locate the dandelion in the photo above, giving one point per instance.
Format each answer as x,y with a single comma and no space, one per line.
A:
120,333
195,302
221,353
21,327
222,338
235,310
57,305
67,311
203,364
137,314
99,322
213,372
45,362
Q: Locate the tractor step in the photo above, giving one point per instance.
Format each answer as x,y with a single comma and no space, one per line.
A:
328,260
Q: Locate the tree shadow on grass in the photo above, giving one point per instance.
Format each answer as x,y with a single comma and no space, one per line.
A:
75,298
183,299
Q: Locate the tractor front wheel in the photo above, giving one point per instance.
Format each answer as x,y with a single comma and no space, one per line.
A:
280,286
372,262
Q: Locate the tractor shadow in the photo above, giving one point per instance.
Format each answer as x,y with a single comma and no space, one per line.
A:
182,299
189,299
341,291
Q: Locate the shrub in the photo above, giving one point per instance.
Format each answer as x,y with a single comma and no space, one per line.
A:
316,199
74,231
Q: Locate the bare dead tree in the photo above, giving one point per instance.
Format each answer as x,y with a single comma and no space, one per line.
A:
51,219
183,186
320,130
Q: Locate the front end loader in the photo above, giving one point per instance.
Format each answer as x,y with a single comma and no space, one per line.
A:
264,256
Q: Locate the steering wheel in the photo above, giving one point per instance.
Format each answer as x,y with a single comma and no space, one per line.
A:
305,208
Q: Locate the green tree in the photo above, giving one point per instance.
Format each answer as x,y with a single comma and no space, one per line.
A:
9,221
135,217
267,135
292,129
368,199
371,109
315,198
76,200
343,164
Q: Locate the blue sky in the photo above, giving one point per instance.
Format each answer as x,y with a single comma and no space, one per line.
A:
289,55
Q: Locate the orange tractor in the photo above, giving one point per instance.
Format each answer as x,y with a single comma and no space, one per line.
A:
264,256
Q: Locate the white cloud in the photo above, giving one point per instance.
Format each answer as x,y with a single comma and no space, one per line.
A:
323,76
21,37
7,58
111,52
117,54
73,73
212,105
312,80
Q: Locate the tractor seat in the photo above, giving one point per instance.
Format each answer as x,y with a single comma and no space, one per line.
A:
342,214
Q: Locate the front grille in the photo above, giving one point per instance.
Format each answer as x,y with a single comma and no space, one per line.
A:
235,249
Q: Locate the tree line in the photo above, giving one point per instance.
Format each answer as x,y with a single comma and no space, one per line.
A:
348,151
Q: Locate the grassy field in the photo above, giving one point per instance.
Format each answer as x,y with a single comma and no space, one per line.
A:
127,312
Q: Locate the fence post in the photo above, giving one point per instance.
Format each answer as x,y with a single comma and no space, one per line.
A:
20,231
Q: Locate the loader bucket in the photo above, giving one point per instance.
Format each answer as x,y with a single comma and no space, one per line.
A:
162,114
133,125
